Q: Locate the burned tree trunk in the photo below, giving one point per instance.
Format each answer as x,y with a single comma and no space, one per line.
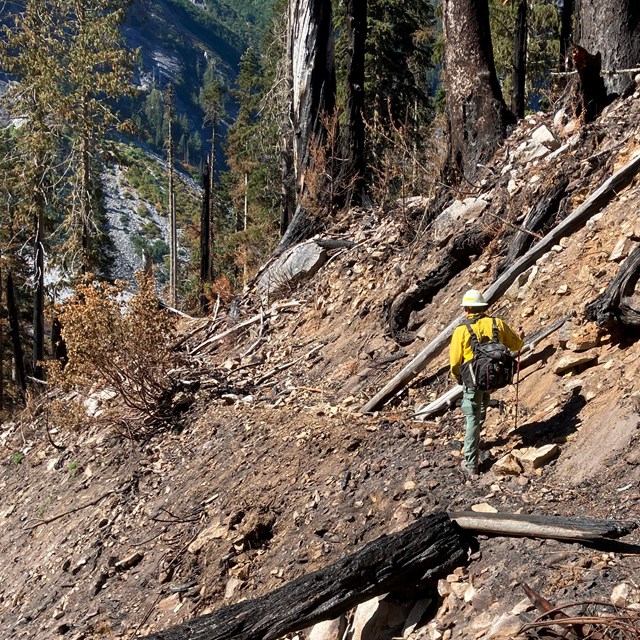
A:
544,210
477,115
591,89
311,54
205,245
619,305
611,29
428,548
353,139
456,258
14,332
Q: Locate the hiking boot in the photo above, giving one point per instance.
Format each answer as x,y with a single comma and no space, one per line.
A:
468,469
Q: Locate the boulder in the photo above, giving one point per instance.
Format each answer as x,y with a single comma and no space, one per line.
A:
296,264
455,216
571,361
545,137
537,457
508,466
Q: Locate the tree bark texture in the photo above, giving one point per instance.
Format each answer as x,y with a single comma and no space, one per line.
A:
566,19
618,305
311,51
519,71
455,259
478,118
427,549
205,253
314,79
353,139
38,292
611,28
591,89
536,220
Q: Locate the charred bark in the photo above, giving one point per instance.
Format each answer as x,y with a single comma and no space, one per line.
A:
205,232
478,117
417,555
351,179
543,212
619,305
591,89
612,29
14,333
565,34
456,258
311,53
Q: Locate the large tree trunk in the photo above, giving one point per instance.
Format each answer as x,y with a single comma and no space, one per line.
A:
477,115
311,44
353,140
611,28
566,17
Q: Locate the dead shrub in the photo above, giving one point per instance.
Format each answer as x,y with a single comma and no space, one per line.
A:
119,344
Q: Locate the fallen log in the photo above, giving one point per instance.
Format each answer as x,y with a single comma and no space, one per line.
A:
616,306
453,394
242,325
427,549
592,205
536,526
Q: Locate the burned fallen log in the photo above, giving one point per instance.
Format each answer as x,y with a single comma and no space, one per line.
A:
457,257
537,526
541,213
427,549
618,305
594,203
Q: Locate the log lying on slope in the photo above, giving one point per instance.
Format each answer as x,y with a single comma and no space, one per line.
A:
429,548
618,305
536,526
592,205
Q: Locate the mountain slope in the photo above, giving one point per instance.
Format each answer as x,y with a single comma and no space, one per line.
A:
275,472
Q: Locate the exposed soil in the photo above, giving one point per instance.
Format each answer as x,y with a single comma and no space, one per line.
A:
274,472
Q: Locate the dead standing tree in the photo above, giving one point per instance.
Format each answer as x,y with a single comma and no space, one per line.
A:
310,43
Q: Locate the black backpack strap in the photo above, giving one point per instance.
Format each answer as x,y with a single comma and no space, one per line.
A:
472,333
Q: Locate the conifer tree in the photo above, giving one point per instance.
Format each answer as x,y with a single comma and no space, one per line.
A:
32,50
99,72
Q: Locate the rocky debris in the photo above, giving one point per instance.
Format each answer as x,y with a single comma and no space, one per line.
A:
272,472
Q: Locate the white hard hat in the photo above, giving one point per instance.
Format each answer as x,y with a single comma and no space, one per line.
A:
473,298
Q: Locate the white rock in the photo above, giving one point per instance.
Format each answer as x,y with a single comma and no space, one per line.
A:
545,137
483,507
233,585
505,627
537,457
454,216
328,630
216,531
620,594
573,360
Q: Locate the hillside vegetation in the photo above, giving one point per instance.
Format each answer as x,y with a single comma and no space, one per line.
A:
115,525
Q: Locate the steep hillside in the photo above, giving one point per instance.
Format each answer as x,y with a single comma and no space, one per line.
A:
275,472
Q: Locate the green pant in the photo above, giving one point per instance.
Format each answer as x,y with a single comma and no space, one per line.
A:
474,408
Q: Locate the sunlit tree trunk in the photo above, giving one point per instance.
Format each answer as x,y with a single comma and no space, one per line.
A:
477,115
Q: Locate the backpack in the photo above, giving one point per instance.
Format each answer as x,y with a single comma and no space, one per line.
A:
492,366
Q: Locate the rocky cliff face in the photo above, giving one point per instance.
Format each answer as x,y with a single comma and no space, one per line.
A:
275,471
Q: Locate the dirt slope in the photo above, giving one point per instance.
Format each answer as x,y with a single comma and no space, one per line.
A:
275,472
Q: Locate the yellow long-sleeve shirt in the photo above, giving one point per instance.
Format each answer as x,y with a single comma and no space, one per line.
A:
460,349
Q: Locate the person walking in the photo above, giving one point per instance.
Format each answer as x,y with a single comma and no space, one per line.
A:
476,400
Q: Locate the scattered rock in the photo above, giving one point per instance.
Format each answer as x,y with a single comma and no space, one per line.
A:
537,457
508,465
